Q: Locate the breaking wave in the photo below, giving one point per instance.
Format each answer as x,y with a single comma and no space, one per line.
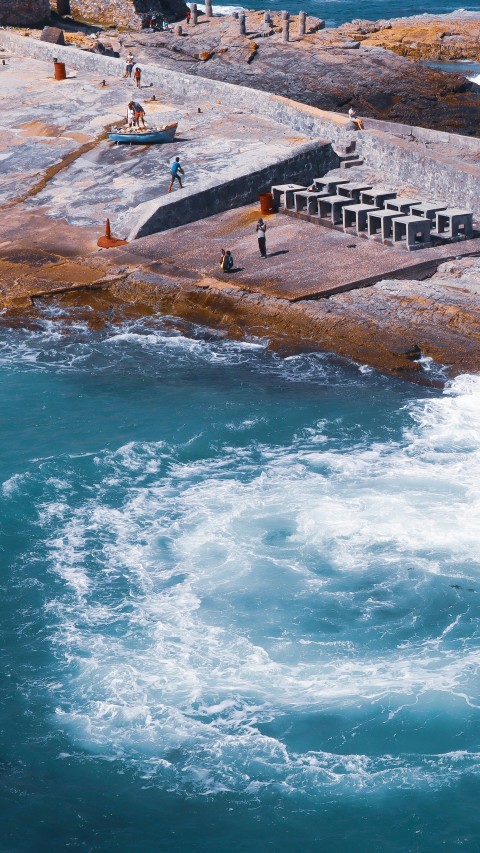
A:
265,614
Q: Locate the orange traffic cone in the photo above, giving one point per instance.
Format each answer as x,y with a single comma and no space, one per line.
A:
107,241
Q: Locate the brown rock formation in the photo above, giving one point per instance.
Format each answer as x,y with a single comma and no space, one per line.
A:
441,38
325,69
120,13
23,13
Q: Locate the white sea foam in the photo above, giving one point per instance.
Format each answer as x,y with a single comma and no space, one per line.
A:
232,592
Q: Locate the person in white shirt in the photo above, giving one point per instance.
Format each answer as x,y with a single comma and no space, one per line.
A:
352,114
262,244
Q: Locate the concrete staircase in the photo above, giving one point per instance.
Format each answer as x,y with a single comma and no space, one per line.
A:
347,155
350,160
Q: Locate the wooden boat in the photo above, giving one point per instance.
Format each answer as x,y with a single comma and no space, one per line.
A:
144,136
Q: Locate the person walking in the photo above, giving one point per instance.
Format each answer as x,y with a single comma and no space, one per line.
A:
262,241
175,171
137,76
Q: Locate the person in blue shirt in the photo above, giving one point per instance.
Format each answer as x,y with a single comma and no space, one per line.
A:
175,171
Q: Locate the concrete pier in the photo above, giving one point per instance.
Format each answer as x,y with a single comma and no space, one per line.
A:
62,170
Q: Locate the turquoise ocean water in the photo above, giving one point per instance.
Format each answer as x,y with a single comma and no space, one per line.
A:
240,597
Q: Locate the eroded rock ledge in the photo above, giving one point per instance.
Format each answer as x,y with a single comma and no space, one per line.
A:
326,69
422,37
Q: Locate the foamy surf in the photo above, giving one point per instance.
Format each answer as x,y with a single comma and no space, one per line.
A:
240,596
198,611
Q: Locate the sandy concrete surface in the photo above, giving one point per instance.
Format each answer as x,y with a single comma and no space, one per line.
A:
304,260
54,155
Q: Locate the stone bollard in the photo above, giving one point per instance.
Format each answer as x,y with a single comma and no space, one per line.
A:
267,19
208,9
302,23
285,26
178,30
235,15
241,21
193,10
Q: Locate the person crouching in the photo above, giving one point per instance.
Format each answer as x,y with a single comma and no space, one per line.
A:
226,261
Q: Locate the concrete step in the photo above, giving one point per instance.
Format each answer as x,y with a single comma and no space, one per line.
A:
345,148
347,164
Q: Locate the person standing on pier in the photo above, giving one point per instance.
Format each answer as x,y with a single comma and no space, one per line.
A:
262,241
129,63
175,171
137,76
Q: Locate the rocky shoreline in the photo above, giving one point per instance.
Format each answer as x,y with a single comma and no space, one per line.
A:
386,326
312,68
453,37
382,81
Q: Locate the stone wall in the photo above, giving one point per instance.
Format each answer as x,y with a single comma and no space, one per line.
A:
23,13
121,13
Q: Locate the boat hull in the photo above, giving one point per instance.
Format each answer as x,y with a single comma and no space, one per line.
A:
145,137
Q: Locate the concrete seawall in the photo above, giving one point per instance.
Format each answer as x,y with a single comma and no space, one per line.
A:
403,154
232,190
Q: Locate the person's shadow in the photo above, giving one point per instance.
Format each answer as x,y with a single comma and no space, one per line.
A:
280,252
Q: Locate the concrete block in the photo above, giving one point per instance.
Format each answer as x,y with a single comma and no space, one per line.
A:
414,231
427,209
353,190
329,184
355,216
283,195
377,196
330,207
454,222
401,204
307,200
380,223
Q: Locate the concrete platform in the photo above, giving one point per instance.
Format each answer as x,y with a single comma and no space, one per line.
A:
54,154
304,261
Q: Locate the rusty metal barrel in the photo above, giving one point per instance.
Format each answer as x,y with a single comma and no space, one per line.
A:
266,203
59,70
